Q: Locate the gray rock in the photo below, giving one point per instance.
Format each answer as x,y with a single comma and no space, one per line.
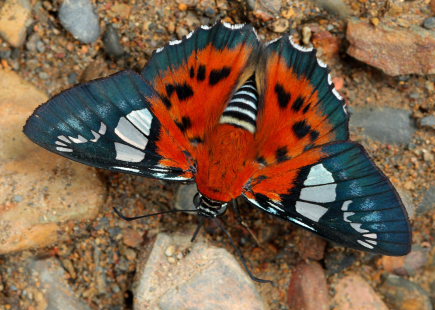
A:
194,276
387,125
57,292
184,197
399,292
269,6
428,122
112,44
336,7
428,203
79,18
429,23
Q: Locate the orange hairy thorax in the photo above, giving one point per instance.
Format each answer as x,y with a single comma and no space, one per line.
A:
226,161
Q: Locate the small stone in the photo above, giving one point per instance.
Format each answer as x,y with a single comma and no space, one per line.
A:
306,35
407,265
280,25
428,122
402,294
130,254
266,8
432,6
170,250
352,292
336,7
310,246
15,17
184,197
336,261
427,155
429,23
393,49
79,18
428,204
112,44
338,82
375,21
387,125
328,43
50,278
132,238
308,289
205,278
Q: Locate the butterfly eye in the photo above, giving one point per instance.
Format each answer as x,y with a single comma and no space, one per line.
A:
197,200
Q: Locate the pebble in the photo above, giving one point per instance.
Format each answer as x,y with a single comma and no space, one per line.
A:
336,261
280,25
184,197
407,265
265,10
79,18
387,125
428,122
308,289
402,294
428,203
429,23
328,43
336,7
47,184
394,50
170,250
205,278
15,17
352,292
310,246
132,238
112,44
49,277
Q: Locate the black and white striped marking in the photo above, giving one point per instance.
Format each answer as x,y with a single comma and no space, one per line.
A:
369,239
62,143
242,108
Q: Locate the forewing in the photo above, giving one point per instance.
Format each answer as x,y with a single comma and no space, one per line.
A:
108,123
196,76
336,191
299,106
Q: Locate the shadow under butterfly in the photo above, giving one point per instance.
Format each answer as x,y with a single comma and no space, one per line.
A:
239,118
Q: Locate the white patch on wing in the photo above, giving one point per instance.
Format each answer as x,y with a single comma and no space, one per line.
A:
175,42
96,136
63,149
329,79
322,193
159,49
274,204
189,34
299,47
272,41
292,219
128,153
205,27
102,129
233,27
321,63
357,227
372,236
79,139
126,168
309,210
64,139
346,215
60,143
141,119
365,244
130,134
319,175
336,94
345,205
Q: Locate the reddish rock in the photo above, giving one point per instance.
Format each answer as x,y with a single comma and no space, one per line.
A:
327,43
39,190
178,274
132,238
308,289
352,292
396,51
310,246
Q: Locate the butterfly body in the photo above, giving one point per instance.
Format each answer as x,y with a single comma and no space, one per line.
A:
240,119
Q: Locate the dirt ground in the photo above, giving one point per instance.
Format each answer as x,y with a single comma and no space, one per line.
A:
144,26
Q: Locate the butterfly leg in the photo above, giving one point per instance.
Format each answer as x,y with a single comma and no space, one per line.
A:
243,223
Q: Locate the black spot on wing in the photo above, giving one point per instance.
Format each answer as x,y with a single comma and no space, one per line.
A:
167,102
185,123
283,96
184,91
301,129
281,154
201,73
307,107
314,134
261,160
192,72
169,89
196,140
297,105
218,75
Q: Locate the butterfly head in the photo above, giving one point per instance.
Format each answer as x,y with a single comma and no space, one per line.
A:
208,207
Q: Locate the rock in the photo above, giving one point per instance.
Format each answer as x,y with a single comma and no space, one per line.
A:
428,203
387,125
428,122
49,276
15,17
402,294
394,50
280,25
132,238
308,289
352,292
407,201
184,197
336,261
432,6
429,23
406,265
310,246
265,9
79,18
39,189
336,7
195,276
112,44
327,43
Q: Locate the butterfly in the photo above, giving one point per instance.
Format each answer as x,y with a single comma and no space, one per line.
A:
239,118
